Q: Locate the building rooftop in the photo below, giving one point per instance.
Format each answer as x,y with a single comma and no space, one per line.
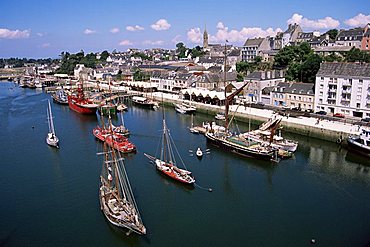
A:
344,69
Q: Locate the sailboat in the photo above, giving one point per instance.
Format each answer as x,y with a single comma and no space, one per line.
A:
117,200
167,163
193,129
51,138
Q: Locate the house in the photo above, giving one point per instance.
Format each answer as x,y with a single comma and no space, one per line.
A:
294,95
253,47
365,42
260,80
343,88
351,37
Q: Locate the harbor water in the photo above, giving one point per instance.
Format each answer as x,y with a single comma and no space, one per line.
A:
49,197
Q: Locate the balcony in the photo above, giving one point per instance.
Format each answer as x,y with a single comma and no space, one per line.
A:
346,91
331,82
332,90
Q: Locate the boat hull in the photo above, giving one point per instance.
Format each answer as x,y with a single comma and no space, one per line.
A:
355,146
80,108
53,142
174,172
116,141
104,206
239,149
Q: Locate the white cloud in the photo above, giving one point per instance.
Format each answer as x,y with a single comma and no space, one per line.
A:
150,42
326,23
161,24
176,39
14,34
45,45
89,31
195,35
125,42
223,33
114,30
359,20
134,28
40,34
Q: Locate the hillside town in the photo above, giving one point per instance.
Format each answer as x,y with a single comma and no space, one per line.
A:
339,88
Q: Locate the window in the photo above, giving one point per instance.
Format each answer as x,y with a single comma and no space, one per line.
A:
360,81
322,78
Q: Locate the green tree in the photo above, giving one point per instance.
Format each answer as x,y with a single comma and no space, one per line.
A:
333,33
356,55
181,49
310,67
104,55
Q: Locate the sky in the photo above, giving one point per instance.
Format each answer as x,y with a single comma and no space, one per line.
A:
45,28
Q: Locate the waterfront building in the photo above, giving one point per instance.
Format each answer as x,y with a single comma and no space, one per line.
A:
343,88
294,95
260,80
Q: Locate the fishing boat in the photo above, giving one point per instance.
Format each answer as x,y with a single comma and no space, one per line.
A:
51,138
114,140
238,143
121,129
360,143
166,163
122,107
220,116
79,103
143,101
266,134
117,200
180,109
60,97
185,108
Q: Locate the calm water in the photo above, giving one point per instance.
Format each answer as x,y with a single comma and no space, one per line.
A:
49,197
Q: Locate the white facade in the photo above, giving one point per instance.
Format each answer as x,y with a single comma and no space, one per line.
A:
349,95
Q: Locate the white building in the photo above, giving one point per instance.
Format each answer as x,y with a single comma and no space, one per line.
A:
343,88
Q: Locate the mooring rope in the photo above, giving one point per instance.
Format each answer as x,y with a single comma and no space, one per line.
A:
202,188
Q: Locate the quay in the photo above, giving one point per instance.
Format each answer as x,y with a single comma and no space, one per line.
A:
328,130
324,129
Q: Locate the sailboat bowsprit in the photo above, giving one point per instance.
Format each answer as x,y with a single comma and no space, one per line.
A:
117,201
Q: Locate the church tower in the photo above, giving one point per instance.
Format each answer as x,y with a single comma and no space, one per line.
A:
205,39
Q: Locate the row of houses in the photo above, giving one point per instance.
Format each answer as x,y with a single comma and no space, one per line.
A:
322,44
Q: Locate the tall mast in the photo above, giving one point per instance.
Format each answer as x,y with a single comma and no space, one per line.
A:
51,119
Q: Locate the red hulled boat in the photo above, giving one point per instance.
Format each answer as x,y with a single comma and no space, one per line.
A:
114,140
80,104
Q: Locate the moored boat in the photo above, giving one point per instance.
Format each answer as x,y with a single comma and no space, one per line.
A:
60,97
360,143
114,140
80,104
143,101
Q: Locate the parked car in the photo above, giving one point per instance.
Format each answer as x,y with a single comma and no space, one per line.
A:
366,119
321,112
339,115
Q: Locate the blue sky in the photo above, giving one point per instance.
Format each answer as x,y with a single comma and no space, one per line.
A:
45,28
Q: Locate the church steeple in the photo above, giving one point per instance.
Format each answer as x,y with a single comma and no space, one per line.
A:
205,38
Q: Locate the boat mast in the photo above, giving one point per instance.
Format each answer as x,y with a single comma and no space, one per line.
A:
51,119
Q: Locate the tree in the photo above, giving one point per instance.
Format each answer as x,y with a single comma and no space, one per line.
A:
310,67
356,55
181,49
104,55
333,33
